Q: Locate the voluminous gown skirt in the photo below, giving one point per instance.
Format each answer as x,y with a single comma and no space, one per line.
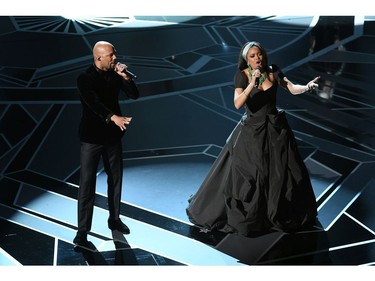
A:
259,182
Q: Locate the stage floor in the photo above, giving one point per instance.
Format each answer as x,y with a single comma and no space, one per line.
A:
37,224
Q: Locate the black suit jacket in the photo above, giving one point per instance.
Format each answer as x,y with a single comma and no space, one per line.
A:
99,95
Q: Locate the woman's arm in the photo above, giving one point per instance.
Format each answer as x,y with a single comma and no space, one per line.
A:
241,95
297,89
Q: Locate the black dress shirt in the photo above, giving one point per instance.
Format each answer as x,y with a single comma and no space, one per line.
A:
99,94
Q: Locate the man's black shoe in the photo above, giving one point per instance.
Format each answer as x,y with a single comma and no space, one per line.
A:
81,240
118,225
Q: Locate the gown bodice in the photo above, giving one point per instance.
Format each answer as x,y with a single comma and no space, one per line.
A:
261,102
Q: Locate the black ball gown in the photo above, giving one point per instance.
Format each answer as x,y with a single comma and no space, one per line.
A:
259,181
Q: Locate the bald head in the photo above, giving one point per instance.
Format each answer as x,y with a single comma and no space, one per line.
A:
101,47
104,55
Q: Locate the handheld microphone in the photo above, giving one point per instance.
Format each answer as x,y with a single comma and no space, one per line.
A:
130,74
257,79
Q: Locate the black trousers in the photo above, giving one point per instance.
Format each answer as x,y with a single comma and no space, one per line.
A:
113,166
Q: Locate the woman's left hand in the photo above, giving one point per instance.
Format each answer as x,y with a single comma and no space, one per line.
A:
312,84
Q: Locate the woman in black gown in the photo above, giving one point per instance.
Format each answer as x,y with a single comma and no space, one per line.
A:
259,181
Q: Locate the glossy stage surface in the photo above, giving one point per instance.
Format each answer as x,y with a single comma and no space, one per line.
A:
179,125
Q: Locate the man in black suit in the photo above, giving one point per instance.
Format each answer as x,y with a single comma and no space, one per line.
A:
101,129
